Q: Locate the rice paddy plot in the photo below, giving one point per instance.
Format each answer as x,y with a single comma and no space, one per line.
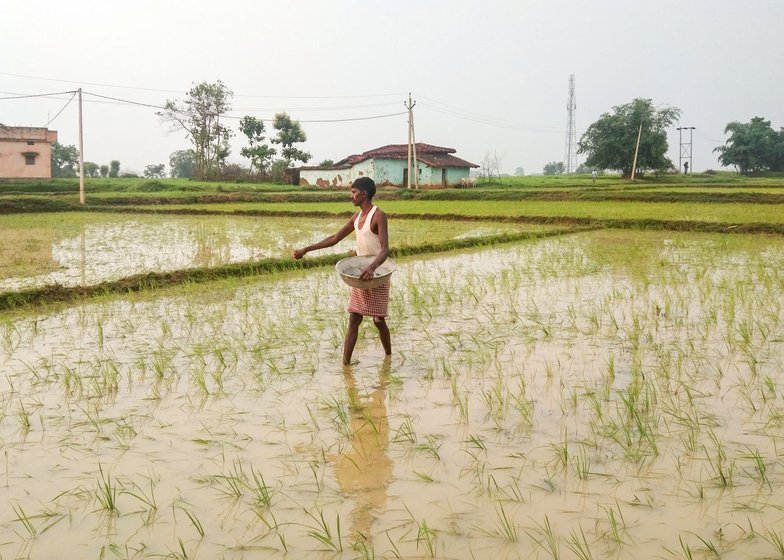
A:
84,249
601,394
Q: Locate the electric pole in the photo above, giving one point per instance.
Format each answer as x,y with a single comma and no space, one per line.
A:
636,151
570,155
411,146
81,152
685,152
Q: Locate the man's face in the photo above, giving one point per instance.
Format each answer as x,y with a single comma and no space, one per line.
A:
357,196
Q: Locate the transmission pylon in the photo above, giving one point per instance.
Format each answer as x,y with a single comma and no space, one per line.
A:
685,151
570,155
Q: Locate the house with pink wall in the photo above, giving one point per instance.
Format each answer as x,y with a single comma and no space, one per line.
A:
26,152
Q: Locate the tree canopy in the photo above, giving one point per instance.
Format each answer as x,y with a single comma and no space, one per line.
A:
289,133
257,151
155,171
64,159
199,114
610,142
753,147
554,168
181,164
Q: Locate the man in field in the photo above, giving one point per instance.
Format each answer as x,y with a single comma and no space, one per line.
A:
370,225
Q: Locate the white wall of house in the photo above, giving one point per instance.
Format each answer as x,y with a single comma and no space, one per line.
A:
383,172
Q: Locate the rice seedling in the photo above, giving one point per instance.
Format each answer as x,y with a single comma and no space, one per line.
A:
431,446
323,533
427,538
722,469
616,524
260,491
232,484
191,517
146,498
776,540
546,539
25,521
579,545
106,492
507,526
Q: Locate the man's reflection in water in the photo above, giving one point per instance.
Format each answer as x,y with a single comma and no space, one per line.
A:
365,470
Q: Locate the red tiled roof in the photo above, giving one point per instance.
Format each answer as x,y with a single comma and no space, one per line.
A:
435,156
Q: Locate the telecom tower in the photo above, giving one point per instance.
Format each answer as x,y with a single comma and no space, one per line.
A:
570,155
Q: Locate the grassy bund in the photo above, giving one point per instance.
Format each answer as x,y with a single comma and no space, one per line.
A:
579,371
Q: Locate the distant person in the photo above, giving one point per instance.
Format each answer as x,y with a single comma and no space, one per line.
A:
593,176
686,167
370,225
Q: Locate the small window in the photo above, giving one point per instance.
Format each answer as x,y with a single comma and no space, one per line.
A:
29,159
30,143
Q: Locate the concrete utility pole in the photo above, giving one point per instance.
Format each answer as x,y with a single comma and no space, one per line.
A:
636,150
411,145
685,152
81,152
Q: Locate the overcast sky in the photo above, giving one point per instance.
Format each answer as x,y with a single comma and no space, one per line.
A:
487,76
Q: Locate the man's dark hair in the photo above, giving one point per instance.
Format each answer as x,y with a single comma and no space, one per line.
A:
365,184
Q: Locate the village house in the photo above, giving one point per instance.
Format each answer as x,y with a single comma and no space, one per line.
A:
26,152
388,165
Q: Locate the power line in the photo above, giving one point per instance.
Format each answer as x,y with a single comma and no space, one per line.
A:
472,116
28,96
124,100
61,110
353,96
227,116
337,108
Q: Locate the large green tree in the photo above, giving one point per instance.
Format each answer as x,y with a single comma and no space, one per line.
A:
91,169
64,160
257,151
753,147
199,114
289,133
610,142
114,168
554,168
181,164
155,171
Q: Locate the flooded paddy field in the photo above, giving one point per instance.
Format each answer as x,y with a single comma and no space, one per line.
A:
601,395
83,249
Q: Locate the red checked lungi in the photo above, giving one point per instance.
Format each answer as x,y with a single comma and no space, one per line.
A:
370,303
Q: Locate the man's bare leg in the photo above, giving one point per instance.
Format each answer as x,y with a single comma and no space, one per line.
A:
354,320
383,333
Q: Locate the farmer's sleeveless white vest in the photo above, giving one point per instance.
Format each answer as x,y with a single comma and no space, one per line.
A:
367,241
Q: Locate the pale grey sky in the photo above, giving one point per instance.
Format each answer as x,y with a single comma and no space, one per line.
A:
486,75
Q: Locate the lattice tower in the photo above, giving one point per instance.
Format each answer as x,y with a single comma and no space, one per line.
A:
570,154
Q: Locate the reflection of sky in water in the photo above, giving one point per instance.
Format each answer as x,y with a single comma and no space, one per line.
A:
109,251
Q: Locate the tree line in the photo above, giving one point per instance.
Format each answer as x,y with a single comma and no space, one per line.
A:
632,137
637,133
201,114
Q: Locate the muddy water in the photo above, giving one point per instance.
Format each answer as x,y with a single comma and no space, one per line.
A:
83,249
591,396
